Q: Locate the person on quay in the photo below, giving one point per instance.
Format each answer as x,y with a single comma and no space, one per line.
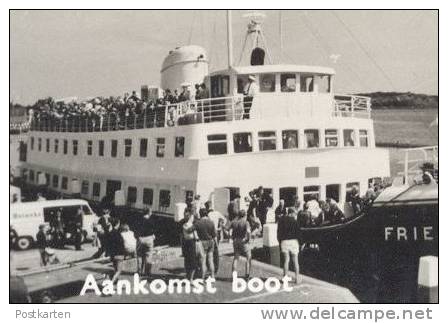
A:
146,239
233,208
206,232
102,229
280,210
217,218
42,243
288,231
116,249
240,231
189,237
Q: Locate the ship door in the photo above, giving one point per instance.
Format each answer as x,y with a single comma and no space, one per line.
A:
112,187
221,199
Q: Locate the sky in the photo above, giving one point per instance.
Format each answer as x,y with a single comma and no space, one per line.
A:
101,53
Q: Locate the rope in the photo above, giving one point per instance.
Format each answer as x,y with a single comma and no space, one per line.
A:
363,48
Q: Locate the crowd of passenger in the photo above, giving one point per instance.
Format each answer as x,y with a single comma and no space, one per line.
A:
201,231
116,112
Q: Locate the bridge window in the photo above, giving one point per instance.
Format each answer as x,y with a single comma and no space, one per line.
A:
164,199
242,142
348,190
288,82
56,146
288,194
48,145
312,138
39,144
267,83
114,148
96,189
331,138
132,195
179,147
310,192
332,191
89,147
323,83
306,83
127,147
55,181
242,80
64,183
217,144
220,86
32,143
101,148
85,188
290,139
143,147
160,147
267,140
31,175
65,146
148,194
349,137
363,138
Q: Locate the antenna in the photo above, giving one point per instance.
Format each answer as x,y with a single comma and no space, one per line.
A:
254,29
280,34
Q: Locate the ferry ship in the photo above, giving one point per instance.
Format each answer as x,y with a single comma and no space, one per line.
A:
299,139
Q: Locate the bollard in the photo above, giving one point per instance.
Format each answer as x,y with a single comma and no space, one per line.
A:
428,280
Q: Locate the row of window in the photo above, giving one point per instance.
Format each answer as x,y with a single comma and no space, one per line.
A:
62,182
179,147
273,82
267,140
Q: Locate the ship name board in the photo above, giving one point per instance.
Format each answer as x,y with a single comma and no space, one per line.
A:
415,233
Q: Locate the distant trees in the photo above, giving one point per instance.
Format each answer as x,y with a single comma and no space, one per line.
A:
403,100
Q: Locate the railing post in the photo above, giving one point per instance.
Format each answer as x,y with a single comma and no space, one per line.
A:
144,118
166,117
352,105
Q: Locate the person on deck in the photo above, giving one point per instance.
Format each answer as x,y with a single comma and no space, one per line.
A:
250,90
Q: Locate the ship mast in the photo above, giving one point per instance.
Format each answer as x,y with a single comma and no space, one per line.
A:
229,39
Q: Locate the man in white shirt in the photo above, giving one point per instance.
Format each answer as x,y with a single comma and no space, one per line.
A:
250,90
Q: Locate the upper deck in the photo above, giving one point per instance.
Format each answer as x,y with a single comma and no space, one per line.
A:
213,110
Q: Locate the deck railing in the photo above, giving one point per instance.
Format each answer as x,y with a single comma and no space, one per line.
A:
184,113
352,106
420,158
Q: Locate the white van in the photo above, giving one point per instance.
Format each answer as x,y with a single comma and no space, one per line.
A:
26,217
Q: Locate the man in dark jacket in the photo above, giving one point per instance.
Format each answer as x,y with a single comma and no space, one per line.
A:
280,210
42,243
207,235
288,231
116,248
146,237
